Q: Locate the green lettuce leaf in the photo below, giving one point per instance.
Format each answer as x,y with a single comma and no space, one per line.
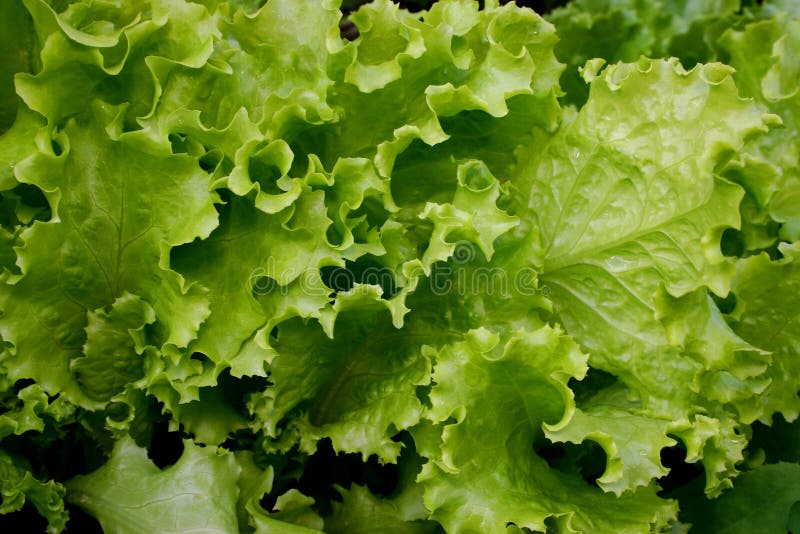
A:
17,144
109,240
18,48
325,263
400,512
292,512
363,512
766,316
763,499
607,419
113,342
489,401
657,224
114,52
360,400
30,409
283,273
764,53
623,30
18,486
131,494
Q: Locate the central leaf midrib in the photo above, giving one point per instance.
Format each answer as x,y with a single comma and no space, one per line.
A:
569,259
324,408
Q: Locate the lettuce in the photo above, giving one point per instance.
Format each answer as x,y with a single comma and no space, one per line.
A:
476,270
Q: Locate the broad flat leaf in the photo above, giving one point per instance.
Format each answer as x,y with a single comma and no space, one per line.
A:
129,494
627,204
659,211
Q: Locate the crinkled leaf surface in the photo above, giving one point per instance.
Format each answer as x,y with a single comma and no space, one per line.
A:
764,55
484,472
768,296
329,265
106,238
359,401
623,30
18,486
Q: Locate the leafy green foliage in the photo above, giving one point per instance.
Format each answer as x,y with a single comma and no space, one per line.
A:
167,500
764,500
474,269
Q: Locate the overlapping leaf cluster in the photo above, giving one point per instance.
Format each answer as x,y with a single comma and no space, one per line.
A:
435,248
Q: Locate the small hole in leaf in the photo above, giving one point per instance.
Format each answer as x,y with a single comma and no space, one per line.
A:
725,304
333,236
680,471
118,411
22,383
587,459
33,197
594,381
732,243
337,278
778,442
362,271
57,148
166,447
236,390
266,174
199,356
381,479
178,143
552,453
326,468
592,461
243,439
348,30
263,285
